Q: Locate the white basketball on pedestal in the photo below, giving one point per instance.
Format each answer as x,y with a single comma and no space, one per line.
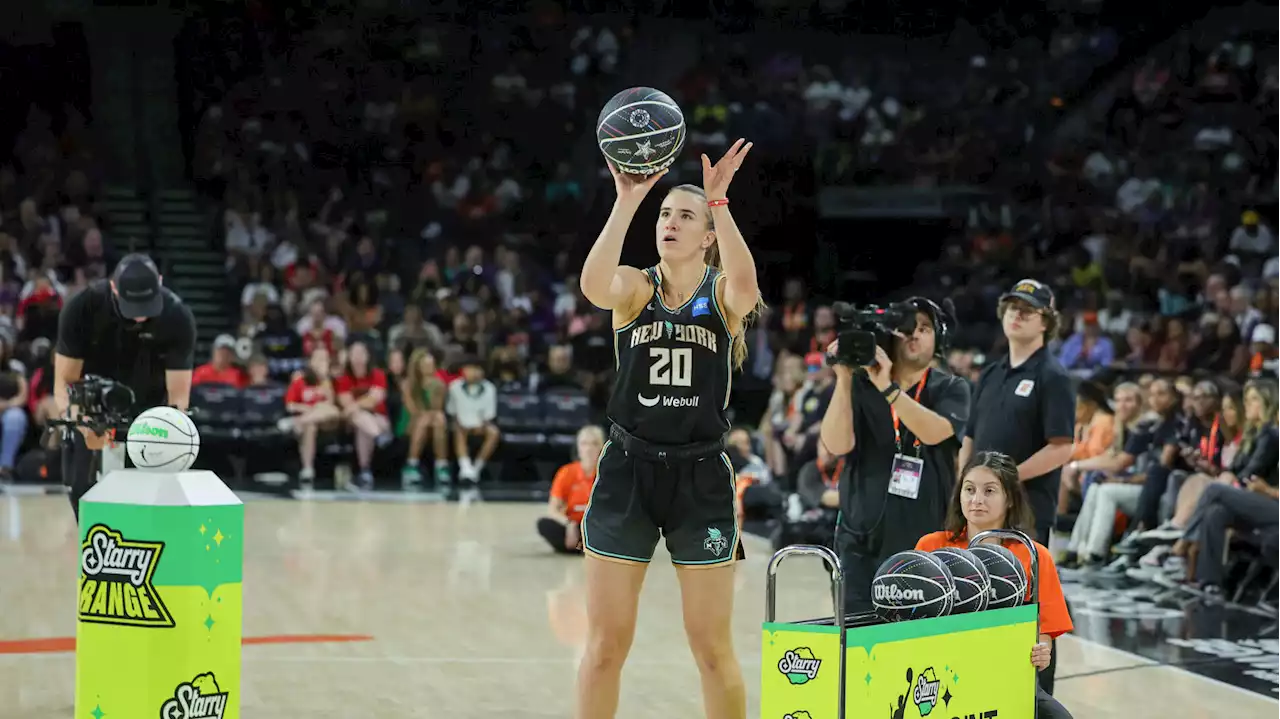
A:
163,439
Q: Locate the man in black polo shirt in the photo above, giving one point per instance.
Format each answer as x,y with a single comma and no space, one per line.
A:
900,422
131,329
1024,404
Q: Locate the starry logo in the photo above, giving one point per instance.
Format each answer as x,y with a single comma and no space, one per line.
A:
798,715
799,665
116,581
715,541
199,698
644,150
639,118
925,693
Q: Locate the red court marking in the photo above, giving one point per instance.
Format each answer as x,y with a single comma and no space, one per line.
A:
54,645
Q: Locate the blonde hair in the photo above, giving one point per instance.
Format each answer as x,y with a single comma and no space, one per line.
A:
711,256
1267,393
1121,435
413,376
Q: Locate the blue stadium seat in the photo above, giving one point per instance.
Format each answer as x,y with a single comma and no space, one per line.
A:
263,408
565,411
520,417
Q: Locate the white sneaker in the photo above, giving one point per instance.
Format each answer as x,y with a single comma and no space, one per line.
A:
1156,556
1167,532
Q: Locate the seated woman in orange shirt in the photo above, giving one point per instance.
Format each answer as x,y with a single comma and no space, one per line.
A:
570,493
989,496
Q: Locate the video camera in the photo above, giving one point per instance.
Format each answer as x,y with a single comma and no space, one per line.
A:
862,329
103,404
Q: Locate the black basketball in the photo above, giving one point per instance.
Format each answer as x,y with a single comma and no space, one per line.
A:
973,584
912,585
1008,578
641,130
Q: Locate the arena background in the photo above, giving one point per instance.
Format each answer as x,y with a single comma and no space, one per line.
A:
1125,155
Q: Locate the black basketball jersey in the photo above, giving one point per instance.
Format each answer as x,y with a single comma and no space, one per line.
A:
674,368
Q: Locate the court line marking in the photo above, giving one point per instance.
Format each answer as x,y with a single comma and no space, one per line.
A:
1174,667
65,645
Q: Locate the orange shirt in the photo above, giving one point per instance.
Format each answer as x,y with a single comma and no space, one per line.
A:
1094,438
572,486
1054,618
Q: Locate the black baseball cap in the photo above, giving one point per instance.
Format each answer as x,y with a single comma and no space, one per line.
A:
137,287
1035,293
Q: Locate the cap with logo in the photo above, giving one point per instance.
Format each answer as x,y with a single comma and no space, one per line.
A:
137,285
1037,294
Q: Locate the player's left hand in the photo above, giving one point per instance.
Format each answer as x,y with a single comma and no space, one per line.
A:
716,178
1040,654
880,373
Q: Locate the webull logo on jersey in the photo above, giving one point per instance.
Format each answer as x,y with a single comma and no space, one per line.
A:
894,593
800,665
199,698
116,580
689,334
667,401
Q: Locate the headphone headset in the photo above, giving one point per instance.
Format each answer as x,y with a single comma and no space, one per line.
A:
944,320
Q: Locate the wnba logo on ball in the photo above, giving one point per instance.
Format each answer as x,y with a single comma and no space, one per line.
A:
198,699
894,593
115,580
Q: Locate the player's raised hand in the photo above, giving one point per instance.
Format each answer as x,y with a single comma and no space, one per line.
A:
633,188
716,178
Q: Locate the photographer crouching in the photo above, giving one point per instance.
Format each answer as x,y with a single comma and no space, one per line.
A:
901,420
125,344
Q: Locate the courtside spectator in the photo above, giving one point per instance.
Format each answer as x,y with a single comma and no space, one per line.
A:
312,401
422,416
570,493
362,396
221,367
473,405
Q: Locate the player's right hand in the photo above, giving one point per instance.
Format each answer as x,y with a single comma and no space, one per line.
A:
633,188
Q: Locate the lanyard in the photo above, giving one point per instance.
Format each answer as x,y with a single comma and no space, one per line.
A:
1207,447
897,435
831,481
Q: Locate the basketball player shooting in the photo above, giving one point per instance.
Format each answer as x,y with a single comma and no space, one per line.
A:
679,333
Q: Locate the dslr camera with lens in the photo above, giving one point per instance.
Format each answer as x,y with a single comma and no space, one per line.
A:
103,403
863,328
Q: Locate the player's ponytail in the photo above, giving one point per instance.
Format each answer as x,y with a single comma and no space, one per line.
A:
712,257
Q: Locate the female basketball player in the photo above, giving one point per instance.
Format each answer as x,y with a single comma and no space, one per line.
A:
678,333
989,496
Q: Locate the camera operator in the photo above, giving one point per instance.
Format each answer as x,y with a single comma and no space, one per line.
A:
902,421
130,329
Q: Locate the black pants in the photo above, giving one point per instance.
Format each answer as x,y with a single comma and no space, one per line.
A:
1049,708
79,468
1222,507
554,532
860,557
1045,676
1152,490
1042,496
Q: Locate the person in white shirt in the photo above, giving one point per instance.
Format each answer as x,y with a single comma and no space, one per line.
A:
473,405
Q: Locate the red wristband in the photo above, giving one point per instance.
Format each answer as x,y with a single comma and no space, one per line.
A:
717,203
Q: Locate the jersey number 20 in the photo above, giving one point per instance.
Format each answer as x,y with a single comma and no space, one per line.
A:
671,367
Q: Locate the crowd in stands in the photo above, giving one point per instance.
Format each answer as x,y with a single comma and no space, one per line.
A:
54,240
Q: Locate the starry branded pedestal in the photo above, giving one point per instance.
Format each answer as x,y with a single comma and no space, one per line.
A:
158,627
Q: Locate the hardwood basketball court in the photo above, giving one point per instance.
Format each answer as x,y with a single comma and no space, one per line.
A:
457,610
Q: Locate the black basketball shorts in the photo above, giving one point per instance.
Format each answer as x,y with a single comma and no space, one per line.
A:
690,502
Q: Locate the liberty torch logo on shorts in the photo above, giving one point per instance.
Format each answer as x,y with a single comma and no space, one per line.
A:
715,541
198,699
115,581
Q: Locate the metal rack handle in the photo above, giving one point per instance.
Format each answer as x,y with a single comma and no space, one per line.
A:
1018,536
812,550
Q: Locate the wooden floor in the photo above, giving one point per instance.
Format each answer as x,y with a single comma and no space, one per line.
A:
471,616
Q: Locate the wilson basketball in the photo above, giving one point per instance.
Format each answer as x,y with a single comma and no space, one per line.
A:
973,584
641,130
912,585
163,439
1008,578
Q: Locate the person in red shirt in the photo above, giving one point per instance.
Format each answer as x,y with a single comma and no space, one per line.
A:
362,396
312,401
570,494
990,496
221,368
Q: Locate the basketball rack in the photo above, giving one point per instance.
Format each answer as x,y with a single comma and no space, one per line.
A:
848,639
